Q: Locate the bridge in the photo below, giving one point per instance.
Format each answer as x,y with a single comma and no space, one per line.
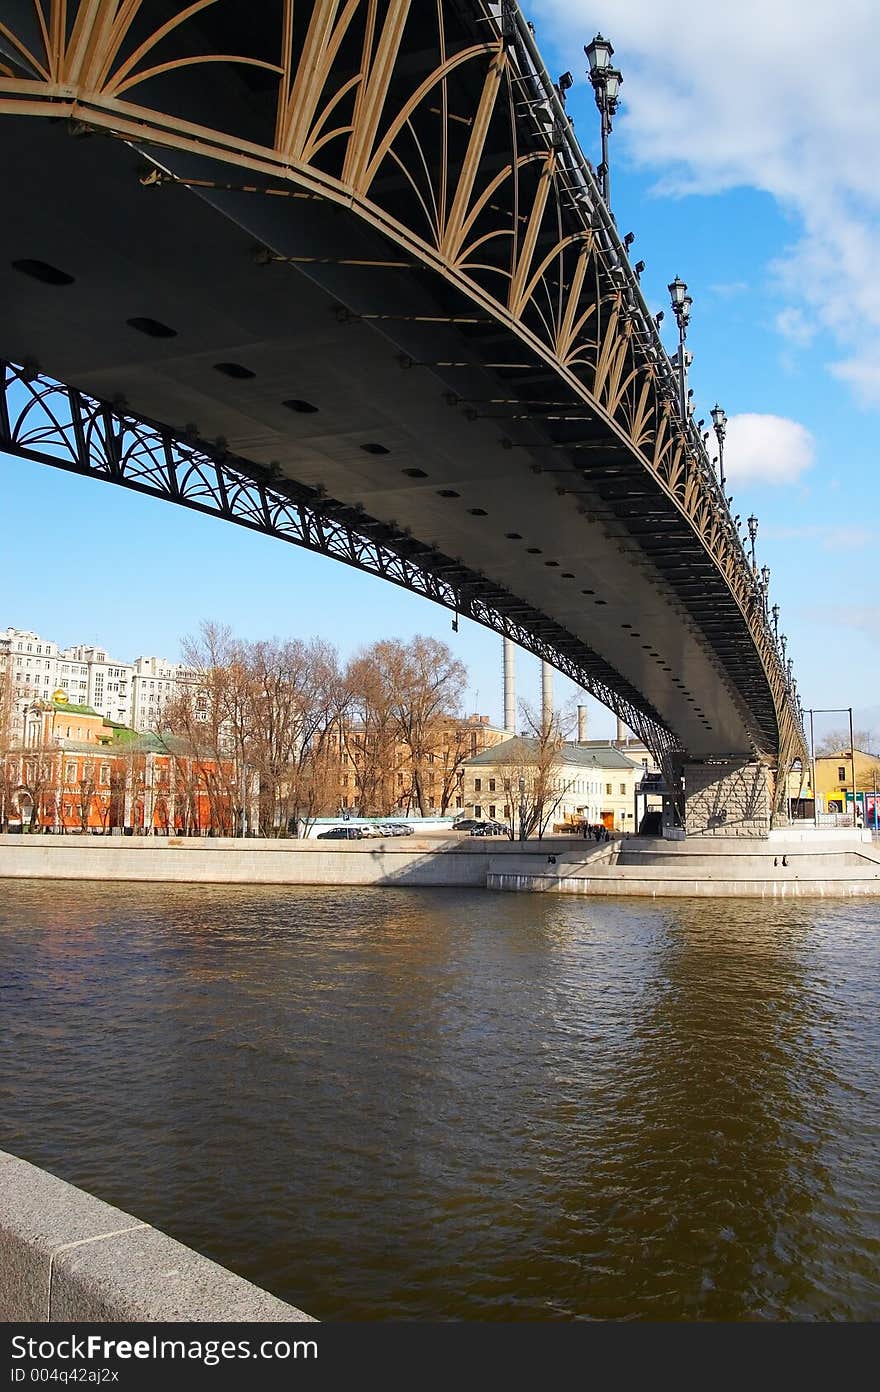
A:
341,273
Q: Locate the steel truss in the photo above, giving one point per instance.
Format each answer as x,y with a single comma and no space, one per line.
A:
45,421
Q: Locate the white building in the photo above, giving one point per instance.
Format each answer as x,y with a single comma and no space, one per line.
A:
129,693
108,682
156,681
33,662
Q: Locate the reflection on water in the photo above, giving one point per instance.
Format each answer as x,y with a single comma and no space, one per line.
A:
453,1104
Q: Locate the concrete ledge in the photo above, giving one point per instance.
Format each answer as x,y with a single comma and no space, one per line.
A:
67,1256
835,866
622,886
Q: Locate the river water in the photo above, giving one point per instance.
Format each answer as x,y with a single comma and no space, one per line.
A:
454,1104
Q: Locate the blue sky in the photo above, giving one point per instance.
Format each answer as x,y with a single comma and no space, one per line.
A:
736,170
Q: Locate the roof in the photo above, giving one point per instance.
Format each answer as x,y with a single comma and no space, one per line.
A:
845,754
603,756
69,709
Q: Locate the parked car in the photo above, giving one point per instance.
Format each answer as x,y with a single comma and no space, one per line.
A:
468,824
400,829
372,829
491,829
341,833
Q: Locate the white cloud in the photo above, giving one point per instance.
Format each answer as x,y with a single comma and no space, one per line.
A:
829,537
864,617
727,290
793,324
863,374
778,95
766,449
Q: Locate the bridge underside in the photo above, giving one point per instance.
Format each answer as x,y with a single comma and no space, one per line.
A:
451,431
354,254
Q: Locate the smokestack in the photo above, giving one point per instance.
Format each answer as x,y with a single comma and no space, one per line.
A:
546,697
582,725
621,731
510,686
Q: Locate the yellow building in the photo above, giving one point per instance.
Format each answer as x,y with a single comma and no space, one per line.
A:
834,777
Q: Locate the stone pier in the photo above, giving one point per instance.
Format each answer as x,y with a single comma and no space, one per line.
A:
727,798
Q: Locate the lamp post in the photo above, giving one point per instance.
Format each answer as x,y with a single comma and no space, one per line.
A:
719,424
765,584
606,82
752,524
681,308
775,613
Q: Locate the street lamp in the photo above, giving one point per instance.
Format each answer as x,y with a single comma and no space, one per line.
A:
606,86
765,584
681,308
775,612
752,524
783,644
719,424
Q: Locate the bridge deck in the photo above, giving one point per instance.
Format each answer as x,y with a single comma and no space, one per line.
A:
475,445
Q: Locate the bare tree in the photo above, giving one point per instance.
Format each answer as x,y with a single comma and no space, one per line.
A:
86,788
405,694
370,735
531,770
454,749
837,742
8,763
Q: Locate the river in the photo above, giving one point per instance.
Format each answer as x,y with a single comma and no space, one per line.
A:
454,1104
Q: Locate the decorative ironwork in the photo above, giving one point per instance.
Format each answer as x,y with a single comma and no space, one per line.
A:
42,420
439,126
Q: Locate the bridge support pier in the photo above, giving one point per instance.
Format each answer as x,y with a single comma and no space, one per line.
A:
727,797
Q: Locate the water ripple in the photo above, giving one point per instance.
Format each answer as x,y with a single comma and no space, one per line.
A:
442,1104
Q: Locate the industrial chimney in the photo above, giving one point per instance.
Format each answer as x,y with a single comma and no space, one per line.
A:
546,697
621,731
510,686
582,725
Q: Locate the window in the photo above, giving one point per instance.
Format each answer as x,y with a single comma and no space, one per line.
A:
622,789
478,785
841,774
608,789
70,773
492,787
105,774
478,811
458,802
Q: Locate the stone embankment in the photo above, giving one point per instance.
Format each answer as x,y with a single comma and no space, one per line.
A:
793,862
789,864
68,1257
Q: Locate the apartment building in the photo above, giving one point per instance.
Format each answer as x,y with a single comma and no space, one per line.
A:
128,693
156,682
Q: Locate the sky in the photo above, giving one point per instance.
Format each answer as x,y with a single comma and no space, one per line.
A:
744,159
